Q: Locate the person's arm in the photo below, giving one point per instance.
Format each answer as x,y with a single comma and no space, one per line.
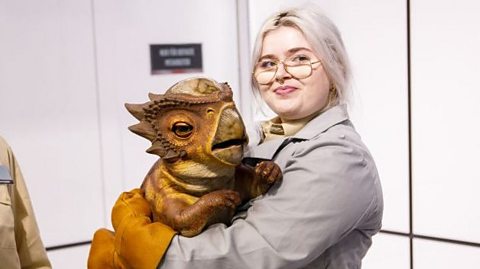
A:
31,252
329,187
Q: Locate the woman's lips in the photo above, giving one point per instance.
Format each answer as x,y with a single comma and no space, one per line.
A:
284,90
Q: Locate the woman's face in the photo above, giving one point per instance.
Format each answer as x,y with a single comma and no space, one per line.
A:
289,97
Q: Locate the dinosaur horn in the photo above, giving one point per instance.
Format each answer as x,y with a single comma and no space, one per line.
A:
155,97
164,153
171,155
136,110
157,149
143,129
226,94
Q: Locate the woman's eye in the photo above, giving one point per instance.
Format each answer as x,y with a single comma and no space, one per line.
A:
266,64
300,59
182,129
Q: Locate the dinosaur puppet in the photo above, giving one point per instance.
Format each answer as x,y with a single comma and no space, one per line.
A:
200,137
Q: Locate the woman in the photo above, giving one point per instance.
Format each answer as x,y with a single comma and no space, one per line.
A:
329,204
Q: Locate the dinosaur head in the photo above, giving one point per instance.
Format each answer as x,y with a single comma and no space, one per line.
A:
194,127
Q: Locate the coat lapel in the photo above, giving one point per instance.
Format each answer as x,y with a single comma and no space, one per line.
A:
317,125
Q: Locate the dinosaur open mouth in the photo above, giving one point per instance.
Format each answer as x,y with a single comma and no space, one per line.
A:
228,144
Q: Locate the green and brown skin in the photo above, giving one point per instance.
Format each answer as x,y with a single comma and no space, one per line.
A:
199,135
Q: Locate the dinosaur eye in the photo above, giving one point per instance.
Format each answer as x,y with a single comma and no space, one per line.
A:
182,129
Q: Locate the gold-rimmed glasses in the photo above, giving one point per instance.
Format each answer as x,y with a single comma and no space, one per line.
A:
298,66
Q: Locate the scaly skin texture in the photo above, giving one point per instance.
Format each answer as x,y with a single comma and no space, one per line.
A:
199,135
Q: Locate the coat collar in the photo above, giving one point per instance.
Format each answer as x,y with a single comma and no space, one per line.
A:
323,122
316,126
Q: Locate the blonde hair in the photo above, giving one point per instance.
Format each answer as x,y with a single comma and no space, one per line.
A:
324,38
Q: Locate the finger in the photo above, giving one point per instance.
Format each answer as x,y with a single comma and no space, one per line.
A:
268,170
228,198
262,166
275,175
234,197
101,250
228,203
137,191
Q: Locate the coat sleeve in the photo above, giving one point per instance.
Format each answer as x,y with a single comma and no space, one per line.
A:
328,190
30,249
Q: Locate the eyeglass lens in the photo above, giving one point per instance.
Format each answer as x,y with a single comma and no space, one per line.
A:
266,69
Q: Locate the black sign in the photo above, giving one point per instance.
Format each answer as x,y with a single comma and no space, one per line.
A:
176,58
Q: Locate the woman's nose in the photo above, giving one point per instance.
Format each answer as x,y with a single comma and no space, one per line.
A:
282,73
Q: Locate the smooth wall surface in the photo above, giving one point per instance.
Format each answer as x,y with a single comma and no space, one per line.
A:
431,254
445,119
388,251
49,113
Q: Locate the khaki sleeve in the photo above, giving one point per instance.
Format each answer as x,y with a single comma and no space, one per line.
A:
31,252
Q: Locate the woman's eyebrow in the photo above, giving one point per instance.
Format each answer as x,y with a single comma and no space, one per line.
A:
268,56
297,49
289,52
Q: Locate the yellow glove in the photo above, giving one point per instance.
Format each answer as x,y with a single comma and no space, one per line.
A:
137,243
102,252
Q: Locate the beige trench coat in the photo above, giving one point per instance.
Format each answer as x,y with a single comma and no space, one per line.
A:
20,244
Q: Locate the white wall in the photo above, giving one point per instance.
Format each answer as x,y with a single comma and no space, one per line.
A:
445,118
67,67
49,113
445,131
